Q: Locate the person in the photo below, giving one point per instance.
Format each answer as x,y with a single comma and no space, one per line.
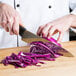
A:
46,16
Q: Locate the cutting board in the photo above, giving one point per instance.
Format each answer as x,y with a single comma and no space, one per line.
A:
63,66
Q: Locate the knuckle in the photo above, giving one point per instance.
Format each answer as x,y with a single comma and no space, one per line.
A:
3,20
10,21
41,26
3,24
49,32
47,24
43,32
15,29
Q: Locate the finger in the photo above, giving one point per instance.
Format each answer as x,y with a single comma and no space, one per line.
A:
46,29
6,28
51,31
0,19
10,28
56,31
16,26
10,25
40,30
10,21
4,22
61,34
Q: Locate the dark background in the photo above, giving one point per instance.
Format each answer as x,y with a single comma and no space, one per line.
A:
72,34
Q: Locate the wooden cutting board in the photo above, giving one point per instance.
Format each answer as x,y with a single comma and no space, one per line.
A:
63,66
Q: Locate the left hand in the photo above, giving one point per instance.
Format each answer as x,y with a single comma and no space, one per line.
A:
60,25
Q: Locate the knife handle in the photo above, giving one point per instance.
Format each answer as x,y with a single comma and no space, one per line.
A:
21,30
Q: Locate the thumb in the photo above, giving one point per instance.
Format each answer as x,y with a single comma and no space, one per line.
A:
21,24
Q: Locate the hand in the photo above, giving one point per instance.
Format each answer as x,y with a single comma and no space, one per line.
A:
9,19
60,25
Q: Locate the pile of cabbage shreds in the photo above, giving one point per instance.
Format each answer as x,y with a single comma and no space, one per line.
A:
39,51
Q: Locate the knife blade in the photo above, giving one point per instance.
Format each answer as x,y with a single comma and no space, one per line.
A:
29,37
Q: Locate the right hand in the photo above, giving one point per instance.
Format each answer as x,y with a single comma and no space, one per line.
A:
10,19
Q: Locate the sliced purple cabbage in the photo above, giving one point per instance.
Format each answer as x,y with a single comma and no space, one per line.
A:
38,51
23,59
53,41
39,47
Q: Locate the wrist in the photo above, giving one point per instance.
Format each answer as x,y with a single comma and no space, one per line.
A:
72,20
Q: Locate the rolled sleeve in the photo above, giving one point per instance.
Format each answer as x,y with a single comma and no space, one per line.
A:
73,6
74,11
0,1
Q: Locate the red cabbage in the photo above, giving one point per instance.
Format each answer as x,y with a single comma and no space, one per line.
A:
53,41
39,51
39,47
23,59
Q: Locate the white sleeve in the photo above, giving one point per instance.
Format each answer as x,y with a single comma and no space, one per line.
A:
73,6
0,1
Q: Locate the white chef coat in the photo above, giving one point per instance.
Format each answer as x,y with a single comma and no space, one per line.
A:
35,13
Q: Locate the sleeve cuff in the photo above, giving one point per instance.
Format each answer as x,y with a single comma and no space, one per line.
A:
73,12
73,29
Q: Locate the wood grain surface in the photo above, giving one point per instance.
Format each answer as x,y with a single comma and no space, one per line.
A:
63,66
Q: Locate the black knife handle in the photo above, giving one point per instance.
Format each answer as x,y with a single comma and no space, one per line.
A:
21,30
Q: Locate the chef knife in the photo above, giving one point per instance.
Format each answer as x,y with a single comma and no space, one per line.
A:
29,37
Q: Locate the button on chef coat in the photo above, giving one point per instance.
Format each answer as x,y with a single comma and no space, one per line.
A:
35,13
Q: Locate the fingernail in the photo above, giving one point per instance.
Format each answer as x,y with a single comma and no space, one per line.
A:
11,33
